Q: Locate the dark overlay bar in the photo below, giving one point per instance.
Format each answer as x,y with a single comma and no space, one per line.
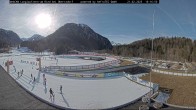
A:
84,1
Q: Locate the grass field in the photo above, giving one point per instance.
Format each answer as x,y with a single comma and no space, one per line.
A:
126,62
184,88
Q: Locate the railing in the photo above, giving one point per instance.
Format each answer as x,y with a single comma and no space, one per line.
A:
174,73
81,67
86,75
176,106
154,86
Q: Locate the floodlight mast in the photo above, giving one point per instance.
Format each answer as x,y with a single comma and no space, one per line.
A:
151,59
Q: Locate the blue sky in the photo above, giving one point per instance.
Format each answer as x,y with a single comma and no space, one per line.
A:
121,23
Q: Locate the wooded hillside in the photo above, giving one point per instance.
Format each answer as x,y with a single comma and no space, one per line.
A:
175,48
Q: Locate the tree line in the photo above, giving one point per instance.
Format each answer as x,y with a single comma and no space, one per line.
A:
166,48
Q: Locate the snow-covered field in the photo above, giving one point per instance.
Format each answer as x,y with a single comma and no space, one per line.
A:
77,93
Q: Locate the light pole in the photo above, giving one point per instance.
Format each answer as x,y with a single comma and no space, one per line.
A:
151,58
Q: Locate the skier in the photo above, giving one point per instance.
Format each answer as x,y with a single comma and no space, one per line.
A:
31,76
21,72
14,68
51,93
18,74
61,88
43,76
45,81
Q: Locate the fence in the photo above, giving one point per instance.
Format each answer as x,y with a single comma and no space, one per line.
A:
80,67
154,86
86,75
102,72
174,73
176,106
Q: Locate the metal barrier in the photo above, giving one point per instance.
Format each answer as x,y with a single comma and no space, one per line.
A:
176,106
86,75
154,86
174,73
81,67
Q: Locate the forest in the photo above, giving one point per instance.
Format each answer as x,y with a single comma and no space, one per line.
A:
166,48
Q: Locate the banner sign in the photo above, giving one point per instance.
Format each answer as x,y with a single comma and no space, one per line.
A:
59,73
112,74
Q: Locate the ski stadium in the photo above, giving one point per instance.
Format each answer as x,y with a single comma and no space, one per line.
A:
89,81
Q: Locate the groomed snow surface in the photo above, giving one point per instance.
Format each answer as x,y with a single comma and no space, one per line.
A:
78,93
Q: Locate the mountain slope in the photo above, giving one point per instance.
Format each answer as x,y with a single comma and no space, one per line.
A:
71,36
24,39
35,37
8,37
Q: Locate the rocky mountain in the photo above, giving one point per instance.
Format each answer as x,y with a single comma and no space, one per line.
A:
8,37
35,37
24,39
71,36
115,44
